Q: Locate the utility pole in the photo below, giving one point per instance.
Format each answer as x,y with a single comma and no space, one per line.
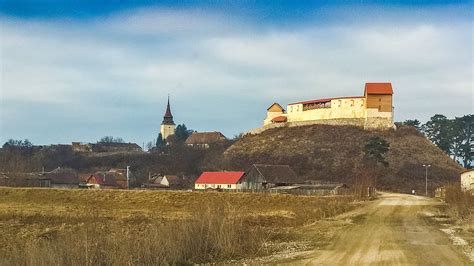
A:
426,178
128,177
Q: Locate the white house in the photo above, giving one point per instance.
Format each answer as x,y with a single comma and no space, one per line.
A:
219,180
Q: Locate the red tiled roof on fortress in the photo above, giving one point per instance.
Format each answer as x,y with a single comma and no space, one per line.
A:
219,177
378,88
279,119
326,100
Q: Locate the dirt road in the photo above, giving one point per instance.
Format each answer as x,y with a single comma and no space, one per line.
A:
393,230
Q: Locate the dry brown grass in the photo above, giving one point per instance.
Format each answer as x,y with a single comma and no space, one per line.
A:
461,202
87,227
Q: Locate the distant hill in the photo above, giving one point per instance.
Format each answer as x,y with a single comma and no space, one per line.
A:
323,152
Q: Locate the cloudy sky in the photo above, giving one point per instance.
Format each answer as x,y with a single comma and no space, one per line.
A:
80,70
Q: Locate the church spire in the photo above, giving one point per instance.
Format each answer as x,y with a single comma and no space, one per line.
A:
168,117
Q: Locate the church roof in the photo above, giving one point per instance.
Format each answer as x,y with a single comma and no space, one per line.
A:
168,117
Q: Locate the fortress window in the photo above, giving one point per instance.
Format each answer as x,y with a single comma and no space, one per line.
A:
352,102
340,103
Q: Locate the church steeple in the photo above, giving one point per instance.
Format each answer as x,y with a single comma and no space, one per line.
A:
167,127
168,117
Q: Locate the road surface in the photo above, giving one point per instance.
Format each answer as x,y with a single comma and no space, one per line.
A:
393,230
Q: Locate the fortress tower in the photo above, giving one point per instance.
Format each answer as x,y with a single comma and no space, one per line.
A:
167,127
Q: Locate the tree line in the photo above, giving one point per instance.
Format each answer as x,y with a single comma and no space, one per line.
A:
454,136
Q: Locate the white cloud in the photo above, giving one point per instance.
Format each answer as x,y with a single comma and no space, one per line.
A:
115,72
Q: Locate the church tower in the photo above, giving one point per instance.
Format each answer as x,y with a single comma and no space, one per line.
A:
167,127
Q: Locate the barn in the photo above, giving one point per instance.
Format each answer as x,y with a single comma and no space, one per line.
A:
265,176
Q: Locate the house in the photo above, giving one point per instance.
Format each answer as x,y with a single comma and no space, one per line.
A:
219,180
467,180
164,182
103,181
62,178
264,176
373,110
204,139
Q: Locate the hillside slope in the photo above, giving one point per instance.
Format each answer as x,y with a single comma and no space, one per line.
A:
322,152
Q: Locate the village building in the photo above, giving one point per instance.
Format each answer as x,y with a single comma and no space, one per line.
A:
164,182
167,126
62,178
204,139
105,181
265,176
467,180
219,180
373,110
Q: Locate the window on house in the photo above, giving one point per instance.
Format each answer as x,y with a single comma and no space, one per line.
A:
218,186
229,186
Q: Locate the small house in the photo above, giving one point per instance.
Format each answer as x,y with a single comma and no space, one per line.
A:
467,180
164,182
265,176
103,181
204,139
219,180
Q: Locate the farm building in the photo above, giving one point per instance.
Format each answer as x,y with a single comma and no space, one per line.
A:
467,180
62,178
320,189
204,139
264,176
219,180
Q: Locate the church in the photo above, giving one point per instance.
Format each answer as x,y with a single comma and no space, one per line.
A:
168,126
373,110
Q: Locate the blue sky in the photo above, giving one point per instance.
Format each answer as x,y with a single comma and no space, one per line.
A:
80,70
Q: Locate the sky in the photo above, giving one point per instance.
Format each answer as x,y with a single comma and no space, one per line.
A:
80,70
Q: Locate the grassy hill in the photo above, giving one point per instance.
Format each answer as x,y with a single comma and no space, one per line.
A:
322,152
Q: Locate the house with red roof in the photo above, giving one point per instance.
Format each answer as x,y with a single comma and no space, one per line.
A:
103,181
373,110
219,180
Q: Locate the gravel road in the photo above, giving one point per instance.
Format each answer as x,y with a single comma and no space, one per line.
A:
393,230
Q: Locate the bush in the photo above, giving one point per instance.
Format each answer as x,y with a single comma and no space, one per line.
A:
462,202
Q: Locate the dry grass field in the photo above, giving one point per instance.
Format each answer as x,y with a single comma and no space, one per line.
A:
110,227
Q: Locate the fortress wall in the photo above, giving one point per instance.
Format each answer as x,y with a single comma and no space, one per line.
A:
348,108
378,123
358,122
